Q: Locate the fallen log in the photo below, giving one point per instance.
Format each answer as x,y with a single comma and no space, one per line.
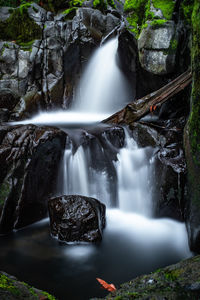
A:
139,108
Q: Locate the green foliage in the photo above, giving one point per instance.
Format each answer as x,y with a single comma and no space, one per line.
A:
158,22
186,9
19,26
167,7
136,17
139,13
49,297
7,284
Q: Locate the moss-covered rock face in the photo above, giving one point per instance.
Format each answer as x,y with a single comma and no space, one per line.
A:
19,26
151,22
157,12
192,138
12,289
176,282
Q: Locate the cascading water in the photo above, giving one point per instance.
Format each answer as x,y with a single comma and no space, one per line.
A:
133,242
103,87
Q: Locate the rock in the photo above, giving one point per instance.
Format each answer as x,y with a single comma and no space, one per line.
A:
29,159
8,99
75,218
168,165
13,289
179,281
157,45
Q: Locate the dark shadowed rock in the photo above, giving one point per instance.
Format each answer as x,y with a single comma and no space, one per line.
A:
75,218
29,159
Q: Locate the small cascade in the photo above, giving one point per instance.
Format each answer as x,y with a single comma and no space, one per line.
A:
80,178
81,175
133,178
103,87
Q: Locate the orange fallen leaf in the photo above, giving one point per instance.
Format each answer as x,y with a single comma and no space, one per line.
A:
107,286
154,107
151,109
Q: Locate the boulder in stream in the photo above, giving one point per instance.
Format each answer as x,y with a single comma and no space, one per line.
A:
75,218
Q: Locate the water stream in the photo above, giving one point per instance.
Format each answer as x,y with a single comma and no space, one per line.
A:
133,242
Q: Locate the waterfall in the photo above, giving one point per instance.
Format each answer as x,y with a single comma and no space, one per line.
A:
103,87
133,172
113,169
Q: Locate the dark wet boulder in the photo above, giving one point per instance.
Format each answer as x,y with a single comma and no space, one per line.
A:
75,218
29,159
168,166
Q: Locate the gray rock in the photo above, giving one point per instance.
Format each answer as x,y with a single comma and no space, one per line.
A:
157,37
157,48
157,62
5,13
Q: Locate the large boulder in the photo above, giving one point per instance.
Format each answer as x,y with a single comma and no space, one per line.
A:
157,45
29,159
75,218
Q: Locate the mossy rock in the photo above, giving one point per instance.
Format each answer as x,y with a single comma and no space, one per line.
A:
192,138
12,289
140,12
20,27
176,282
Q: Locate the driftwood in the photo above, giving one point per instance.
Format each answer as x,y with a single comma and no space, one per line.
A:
139,108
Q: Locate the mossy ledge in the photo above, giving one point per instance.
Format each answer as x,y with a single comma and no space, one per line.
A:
12,289
180,281
20,27
139,13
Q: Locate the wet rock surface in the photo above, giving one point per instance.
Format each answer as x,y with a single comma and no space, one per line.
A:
29,157
169,167
75,218
179,281
44,72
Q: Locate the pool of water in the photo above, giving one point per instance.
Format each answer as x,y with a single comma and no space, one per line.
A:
131,245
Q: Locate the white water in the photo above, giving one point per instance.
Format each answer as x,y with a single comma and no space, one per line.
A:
103,87
102,91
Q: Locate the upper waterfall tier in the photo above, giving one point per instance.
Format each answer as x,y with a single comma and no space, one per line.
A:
103,87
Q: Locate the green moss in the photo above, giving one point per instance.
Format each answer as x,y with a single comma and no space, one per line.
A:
50,297
139,13
173,275
166,6
4,192
26,46
186,10
156,23
194,119
19,26
7,284
136,17
70,13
